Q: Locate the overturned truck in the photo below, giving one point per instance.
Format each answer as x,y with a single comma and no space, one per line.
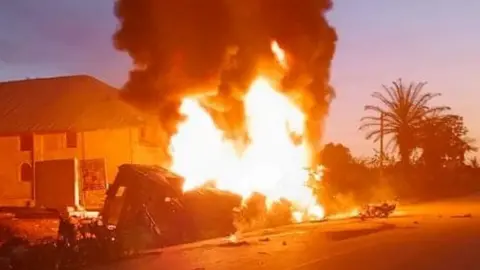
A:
147,206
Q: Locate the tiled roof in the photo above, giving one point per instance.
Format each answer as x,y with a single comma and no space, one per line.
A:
58,104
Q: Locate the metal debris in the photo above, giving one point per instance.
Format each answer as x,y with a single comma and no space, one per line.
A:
382,210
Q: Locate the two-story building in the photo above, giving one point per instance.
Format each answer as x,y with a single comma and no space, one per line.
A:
62,118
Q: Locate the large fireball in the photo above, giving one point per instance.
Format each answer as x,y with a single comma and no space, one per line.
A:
274,163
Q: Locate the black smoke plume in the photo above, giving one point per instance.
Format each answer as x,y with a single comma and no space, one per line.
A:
198,47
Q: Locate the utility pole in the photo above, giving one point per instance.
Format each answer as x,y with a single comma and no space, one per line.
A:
381,140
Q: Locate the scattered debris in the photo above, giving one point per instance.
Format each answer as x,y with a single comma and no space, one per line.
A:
462,216
263,253
284,243
266,239
235,244
79,243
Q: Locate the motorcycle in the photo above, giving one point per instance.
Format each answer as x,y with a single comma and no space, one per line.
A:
382,210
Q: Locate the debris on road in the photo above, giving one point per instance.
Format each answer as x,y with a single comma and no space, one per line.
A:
382,210
235,244
462,216
266,239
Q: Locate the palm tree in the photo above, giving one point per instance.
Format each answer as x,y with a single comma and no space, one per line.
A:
403,106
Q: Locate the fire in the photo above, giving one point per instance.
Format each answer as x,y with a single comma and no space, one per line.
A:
273,163
279,54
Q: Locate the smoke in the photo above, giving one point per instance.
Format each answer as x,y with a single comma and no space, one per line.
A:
214,47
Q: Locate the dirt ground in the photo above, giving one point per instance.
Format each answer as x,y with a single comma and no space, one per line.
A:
34,229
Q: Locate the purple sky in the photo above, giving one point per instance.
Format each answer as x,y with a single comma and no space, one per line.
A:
380,40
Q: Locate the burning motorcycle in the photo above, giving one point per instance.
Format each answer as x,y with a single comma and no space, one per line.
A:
382,210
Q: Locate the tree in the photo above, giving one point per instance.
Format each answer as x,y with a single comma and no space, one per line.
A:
335,156
443,139
342,174
376,161
404,107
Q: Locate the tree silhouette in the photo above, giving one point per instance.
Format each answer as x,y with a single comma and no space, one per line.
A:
343,174
404,107
443,138
335,156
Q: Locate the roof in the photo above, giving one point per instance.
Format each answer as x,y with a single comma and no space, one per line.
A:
138,175
60,104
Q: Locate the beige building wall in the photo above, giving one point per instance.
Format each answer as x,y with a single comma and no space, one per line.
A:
116,146
12,190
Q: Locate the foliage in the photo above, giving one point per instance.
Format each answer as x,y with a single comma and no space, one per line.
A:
375,161
334,156
350,181
403,107
444,141
432,146
344,175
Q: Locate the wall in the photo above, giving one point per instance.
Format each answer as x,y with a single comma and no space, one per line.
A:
12,190
116,146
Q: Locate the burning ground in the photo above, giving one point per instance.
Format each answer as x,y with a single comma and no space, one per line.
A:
241,87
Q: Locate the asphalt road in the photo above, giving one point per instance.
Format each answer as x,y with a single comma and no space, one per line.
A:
441,235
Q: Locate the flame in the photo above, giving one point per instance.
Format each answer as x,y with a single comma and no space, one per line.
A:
273,163
279,54
233,238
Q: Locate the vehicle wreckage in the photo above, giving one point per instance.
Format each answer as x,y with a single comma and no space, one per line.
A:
145,208
381,210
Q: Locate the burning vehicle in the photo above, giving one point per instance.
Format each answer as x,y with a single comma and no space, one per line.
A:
148,208
381,210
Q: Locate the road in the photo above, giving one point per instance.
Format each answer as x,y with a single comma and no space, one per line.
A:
441,235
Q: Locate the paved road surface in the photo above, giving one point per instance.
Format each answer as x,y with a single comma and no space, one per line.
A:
434,236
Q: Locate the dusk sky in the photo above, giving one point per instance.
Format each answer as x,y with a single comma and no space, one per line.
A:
379,41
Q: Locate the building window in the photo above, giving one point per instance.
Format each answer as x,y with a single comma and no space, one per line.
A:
72,139
26,142
26,172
